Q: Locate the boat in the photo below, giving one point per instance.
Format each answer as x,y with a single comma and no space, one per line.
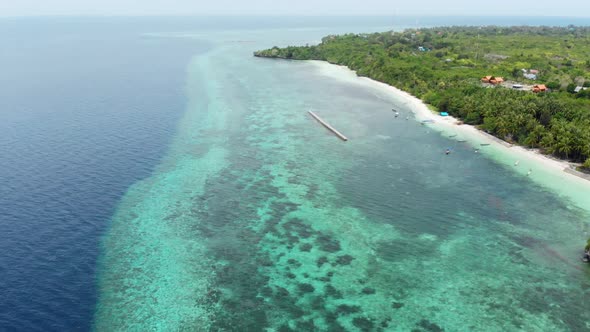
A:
427,121
485,144
453,135
462,140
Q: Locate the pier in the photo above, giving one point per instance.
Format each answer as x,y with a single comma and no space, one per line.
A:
330,128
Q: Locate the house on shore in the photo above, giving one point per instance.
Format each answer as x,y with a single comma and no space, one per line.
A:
530,74
539,88
492,80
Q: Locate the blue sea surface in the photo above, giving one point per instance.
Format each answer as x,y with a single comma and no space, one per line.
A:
83,114
137,153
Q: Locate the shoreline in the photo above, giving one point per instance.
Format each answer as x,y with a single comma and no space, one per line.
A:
555,174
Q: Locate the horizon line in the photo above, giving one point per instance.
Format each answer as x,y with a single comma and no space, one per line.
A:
283,16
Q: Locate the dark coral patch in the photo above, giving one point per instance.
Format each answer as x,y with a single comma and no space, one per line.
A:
282,292
318,303
266,291
397,305
365,324
344,260
299,227
294,262
306,288
292,240
328,243
321,261
429,326
333,292
285,328
331,318
306,247
264,261
345,309
306,325
368,290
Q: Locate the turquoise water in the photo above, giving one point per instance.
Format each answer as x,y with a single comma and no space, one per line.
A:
259,219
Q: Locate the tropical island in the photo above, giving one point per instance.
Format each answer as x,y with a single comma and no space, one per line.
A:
524,85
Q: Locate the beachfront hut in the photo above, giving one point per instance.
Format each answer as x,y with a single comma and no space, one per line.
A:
539,88
492,79
486,79
497,80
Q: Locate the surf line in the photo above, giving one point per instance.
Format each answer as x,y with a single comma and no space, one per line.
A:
330,128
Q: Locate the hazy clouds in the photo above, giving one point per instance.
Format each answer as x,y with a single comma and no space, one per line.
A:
296,7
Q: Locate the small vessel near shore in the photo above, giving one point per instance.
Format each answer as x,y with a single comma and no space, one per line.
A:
485,144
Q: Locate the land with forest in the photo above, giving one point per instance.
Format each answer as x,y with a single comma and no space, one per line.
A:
450,68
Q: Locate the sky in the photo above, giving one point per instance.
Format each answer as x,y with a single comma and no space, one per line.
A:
578,8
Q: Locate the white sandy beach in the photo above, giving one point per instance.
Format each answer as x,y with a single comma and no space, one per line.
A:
546,171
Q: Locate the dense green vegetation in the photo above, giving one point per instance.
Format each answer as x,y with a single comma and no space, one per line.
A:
444,66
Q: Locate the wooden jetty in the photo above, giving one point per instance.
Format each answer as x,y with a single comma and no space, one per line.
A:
330,128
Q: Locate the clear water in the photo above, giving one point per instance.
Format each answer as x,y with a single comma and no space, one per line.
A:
224,206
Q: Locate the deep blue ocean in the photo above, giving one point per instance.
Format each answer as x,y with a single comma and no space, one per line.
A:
88,107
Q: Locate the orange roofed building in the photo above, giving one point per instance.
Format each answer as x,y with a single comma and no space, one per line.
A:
539,88
492,79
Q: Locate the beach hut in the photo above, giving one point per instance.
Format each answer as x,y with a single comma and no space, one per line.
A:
492,79
496,80
486,79
539,88
444,114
